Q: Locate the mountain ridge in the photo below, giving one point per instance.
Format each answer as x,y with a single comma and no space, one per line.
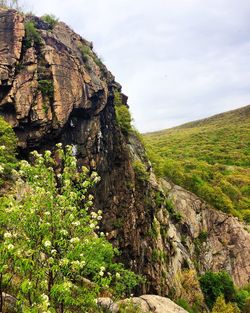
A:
205,120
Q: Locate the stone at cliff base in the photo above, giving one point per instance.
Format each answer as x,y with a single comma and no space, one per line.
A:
146,303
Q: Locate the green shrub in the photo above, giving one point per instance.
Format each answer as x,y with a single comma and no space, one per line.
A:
50,19
47,88
85,52
123,118
140,171
221,306
243,298
122,114
32,36
8,145
184,304
215,284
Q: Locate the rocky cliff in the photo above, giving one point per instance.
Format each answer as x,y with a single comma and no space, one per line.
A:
54,88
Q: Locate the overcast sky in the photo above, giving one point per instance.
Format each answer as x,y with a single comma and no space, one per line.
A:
177,60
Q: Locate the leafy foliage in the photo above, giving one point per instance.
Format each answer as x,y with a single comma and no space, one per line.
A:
52,255
140,171
50,19
47,88
215,284
243,298
210,157
8,143
123,116
32,36
221,306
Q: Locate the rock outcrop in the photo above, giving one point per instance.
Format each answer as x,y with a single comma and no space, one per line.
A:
145,304
54,88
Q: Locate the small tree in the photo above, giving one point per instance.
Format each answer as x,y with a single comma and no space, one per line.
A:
51,248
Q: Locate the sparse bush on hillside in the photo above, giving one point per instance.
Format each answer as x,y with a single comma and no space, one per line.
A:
47,88
215,284
32,36
140,171
221,306
85,52
123,116
50,19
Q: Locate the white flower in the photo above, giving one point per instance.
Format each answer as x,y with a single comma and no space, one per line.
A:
2,147
77,223
47,153
74,240
47,243
10,247
117,275
7,235
93,215
102,268
1,169
85,184
92,225
45,298
101,273
64,262
47,213
99,217
67,285
64,232
50,260
59,145
53,251
82,264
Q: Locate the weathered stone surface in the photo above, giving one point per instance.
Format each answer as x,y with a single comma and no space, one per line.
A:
11,35
225,244
146,303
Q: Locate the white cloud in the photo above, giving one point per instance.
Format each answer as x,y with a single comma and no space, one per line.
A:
178,60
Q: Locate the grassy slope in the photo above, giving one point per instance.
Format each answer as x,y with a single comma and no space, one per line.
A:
210,157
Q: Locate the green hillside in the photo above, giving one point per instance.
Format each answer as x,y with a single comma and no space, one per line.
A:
210,157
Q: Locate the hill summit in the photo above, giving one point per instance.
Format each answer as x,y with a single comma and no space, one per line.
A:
210,157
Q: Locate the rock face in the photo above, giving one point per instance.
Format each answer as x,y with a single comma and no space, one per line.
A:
54,88
146,304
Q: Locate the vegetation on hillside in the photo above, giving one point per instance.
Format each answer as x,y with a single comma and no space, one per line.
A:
219,293
209,157
53,257
8,145
122,114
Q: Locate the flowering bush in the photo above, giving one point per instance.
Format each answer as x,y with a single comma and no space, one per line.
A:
53,257
7,150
